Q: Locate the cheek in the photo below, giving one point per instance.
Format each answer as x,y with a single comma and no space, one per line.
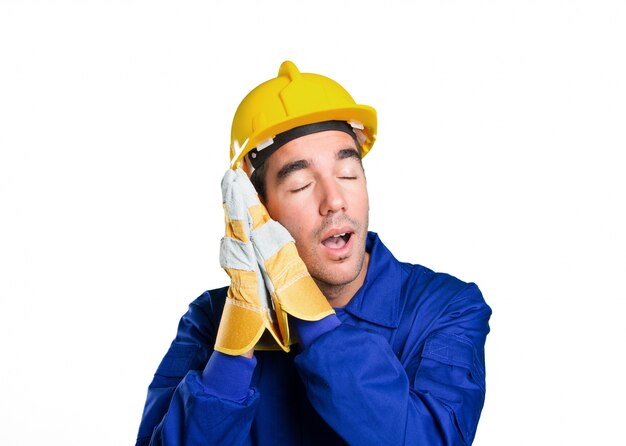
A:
366,199
291,217
360,201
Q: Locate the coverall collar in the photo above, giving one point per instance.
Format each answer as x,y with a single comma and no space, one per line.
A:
378,300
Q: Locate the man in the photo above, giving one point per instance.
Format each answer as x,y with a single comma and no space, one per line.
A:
330,340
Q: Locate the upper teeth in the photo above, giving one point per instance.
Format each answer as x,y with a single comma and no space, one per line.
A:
340,235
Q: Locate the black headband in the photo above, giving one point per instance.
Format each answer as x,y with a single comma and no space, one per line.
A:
258,157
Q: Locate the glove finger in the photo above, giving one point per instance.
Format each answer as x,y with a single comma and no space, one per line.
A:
237,189
233,200
235,254
242,204
256,210
267,241
229,198
237,220
269,238
245,188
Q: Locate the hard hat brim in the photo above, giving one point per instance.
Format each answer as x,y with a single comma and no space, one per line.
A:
361,114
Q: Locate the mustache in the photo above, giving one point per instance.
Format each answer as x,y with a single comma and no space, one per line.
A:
336,222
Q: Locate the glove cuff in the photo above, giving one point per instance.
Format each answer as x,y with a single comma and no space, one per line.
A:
241,327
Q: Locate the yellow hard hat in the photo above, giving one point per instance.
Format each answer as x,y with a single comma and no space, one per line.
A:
291,100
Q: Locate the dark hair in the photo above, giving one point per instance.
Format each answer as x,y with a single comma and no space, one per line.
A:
258,180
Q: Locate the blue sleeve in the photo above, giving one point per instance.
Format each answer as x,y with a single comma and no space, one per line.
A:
228,377
435,396
197,417
309,331
185,406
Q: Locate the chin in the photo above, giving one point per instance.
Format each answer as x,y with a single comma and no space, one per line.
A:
337,274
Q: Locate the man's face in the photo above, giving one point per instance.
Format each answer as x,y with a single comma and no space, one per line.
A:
316,188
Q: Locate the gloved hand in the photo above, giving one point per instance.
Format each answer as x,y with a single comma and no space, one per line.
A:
286,276
278,267
248,310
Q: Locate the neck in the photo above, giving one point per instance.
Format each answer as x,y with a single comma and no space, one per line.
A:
339,296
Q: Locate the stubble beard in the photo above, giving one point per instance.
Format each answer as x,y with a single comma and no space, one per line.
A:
329,282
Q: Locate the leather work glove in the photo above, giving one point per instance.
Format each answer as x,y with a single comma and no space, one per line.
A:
280,269
286,277
248,310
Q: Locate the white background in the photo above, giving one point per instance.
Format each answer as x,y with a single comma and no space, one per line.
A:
498,160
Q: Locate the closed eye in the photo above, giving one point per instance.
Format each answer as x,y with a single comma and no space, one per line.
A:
295,191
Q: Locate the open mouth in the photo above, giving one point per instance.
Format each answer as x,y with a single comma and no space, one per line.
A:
337,241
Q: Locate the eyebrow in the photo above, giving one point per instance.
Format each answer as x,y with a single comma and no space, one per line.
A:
294,166
348,153
289,168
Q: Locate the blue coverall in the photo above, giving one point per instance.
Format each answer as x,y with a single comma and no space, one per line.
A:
406,366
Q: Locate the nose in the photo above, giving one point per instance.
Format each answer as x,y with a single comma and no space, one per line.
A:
332,197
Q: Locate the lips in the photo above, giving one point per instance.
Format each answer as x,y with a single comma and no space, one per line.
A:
337,241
